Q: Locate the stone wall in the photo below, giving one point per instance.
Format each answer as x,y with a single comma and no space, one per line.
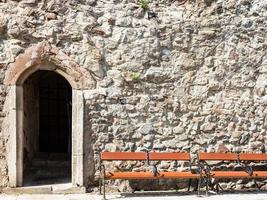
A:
182,75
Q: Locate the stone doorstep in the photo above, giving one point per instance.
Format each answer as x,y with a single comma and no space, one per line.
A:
65,188
28,190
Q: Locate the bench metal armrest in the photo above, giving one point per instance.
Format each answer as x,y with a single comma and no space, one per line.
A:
205,168
102,169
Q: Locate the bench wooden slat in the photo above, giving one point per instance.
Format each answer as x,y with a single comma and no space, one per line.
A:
186,175
260,174
169,156
217,156
123,156
149,175
238,174
253,156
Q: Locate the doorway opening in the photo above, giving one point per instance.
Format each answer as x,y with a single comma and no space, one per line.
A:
47,128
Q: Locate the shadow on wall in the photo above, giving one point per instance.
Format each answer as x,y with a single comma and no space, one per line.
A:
89,158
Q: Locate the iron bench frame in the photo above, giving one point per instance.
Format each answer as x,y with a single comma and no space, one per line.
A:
147,157
240,159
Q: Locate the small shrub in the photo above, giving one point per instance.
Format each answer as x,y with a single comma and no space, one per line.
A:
144,4
135,76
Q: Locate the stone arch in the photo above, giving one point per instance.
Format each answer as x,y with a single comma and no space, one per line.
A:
44,56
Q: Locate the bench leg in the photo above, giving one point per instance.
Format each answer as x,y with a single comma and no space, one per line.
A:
104,189
195,186
257,185
217,188
200,181
207,186
100,186
100,176
199,185
189,185
220,187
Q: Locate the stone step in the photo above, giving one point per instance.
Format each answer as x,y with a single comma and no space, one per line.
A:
65,188
51,160
48,169
37,162
53,156
46,189
50,172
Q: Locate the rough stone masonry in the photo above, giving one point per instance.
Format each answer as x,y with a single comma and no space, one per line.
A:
173,75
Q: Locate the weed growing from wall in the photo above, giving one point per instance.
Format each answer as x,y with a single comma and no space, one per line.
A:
144,4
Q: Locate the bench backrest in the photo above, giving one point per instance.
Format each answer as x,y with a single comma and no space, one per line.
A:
217,156
123,156
252,157
182,156
169,156
110,156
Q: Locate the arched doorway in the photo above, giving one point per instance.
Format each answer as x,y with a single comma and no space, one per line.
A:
47,100
39,57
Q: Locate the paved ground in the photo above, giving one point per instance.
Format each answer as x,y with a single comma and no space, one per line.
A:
167,196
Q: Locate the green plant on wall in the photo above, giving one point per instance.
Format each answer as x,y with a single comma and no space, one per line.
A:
144,4
135,76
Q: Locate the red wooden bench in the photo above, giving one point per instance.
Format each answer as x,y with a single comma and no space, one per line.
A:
142,156
241,159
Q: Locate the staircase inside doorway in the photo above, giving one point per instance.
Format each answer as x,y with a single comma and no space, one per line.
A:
48,169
